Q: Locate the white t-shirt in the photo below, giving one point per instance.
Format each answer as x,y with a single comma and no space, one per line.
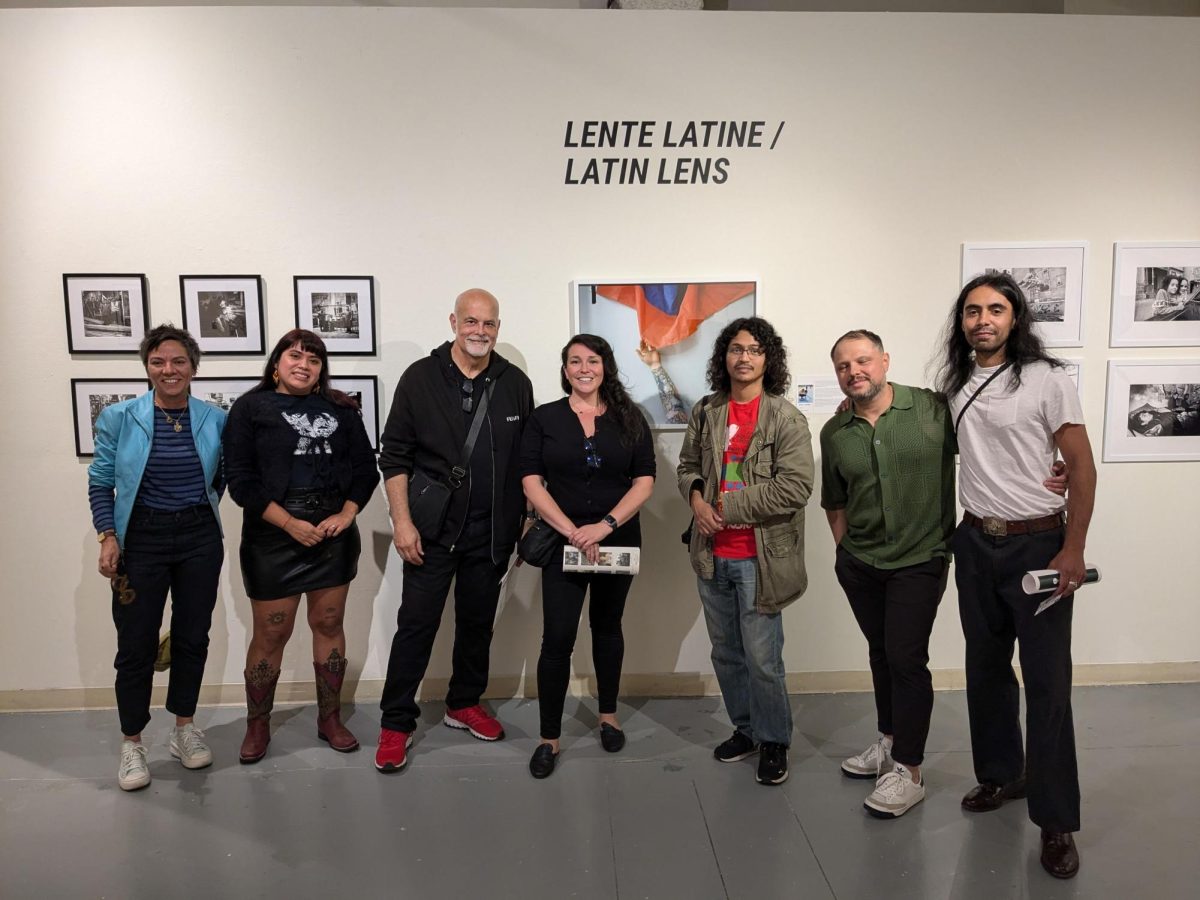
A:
1006,440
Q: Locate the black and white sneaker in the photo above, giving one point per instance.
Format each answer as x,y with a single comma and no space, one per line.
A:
736,748
772,764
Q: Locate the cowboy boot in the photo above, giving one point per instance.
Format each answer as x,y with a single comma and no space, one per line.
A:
330,675
260,698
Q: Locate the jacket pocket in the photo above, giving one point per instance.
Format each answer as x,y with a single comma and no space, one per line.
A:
782,544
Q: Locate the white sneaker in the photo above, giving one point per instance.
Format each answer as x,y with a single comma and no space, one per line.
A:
876,760
134,773
187,746
895,794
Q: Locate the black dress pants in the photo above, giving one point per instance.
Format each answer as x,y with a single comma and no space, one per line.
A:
562,605
895,609
995,612
476,592
179,553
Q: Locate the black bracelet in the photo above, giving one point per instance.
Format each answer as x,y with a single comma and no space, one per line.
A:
610,522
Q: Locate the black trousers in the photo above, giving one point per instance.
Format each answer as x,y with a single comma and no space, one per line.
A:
476,591
562,605
895,609
179,553
995,612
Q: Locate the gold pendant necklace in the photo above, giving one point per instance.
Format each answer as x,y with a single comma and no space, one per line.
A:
177,422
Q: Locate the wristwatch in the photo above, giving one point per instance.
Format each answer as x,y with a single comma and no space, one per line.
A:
610,522
101,536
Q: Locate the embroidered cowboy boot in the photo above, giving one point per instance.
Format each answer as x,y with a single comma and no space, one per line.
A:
330,675
260,698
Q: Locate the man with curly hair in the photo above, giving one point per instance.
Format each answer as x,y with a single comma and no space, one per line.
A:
746,469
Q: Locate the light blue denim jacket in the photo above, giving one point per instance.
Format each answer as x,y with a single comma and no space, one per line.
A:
123,435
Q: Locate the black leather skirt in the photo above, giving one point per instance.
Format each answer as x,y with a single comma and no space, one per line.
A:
274,566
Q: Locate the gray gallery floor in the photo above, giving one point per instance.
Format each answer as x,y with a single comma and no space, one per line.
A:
662,819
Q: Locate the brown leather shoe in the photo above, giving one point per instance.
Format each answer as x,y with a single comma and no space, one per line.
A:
254,744
1059,856
330,676
260,699
985,797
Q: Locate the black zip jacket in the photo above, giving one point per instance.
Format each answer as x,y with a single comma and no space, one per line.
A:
426,430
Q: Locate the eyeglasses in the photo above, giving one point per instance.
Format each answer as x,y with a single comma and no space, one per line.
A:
737,350
593,458
120,585
468,400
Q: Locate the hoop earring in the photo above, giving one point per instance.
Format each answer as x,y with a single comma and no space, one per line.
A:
275,376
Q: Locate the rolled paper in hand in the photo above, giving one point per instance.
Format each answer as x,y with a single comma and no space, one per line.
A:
1042,581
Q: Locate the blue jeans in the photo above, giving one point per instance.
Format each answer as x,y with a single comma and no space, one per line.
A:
747,652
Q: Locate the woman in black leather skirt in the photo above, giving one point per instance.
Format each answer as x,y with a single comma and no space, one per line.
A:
300,464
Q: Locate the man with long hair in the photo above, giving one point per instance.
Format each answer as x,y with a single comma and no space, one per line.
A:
1014,407
746,469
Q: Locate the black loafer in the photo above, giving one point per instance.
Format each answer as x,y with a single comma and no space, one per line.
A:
986,797
611,739
1059,856
541,765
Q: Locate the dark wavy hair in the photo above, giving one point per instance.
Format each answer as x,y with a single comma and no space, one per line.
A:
1023,345
160,334
309,343
775,372
630,421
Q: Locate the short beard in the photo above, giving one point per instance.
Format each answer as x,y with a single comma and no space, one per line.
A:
875,390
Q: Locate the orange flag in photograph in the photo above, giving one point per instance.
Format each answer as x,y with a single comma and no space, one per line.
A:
668,313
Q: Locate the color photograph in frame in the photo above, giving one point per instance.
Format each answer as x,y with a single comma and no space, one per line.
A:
90,397
1152,411
1156,294
662,335
364,389
1051,275
224,312
341,309
105,313
222,392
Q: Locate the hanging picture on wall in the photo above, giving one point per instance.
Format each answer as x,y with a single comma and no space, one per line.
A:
364,389
1074,368
1050,274
222,392
1152,411
1156,294
90,397
341,309
105,313
662,335
224,312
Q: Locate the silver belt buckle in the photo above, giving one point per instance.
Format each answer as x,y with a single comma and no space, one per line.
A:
994,527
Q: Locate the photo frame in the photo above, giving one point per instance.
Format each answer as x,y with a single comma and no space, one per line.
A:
105,313
339,308
1152,411
681,320
1156,294
1050,273
224,313
365,389
222,392
1074,368
90,397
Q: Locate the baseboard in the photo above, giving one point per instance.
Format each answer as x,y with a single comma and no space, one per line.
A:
668,684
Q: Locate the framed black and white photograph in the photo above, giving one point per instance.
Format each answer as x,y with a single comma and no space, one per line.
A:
1074,369
90,397
222,392
224,312
341,309
1051,275
1152,411
365,390
1156,294
105,313
662,335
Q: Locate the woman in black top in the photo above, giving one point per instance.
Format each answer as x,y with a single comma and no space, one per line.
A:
298,460
587,466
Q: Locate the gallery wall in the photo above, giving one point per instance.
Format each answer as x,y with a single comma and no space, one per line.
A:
425,148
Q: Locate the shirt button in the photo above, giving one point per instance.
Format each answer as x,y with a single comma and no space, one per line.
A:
877,442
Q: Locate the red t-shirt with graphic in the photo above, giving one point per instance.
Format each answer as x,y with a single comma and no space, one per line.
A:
736,541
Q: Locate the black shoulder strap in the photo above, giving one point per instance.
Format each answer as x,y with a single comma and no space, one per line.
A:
459,472
978,391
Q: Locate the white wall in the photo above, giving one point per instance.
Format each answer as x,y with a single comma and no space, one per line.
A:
425,147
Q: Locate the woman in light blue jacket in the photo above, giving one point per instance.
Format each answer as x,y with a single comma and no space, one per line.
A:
154,487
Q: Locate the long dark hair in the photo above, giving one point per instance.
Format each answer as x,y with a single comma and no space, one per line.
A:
1023,345
309,343
775,372
629,419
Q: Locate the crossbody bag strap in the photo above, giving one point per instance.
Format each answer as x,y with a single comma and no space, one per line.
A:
459,472
978,391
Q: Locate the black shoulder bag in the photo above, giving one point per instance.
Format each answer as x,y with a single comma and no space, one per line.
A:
978,391
686,537
428,498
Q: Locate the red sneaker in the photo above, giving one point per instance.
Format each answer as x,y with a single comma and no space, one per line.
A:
475,720
393,750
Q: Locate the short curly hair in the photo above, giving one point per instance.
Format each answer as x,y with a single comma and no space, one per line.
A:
160,334
775,374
